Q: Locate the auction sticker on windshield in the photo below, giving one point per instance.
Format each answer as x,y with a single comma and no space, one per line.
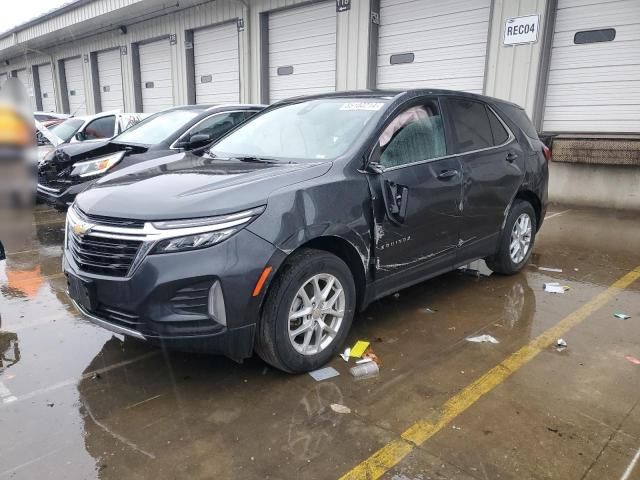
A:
362,106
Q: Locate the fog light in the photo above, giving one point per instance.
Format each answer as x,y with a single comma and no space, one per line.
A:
216,304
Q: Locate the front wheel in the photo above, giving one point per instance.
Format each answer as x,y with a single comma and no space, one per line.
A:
516,240
308,312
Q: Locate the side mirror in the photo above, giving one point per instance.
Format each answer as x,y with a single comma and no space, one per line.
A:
80,136
199,140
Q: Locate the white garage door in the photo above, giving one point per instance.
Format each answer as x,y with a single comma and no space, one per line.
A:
75,86
433,43
47,93
215,52
110,80
302,51
594,76
155,76
25,78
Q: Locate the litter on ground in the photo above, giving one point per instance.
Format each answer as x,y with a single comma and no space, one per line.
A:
324,373
633,359
370,354
622,316
548,269
368,369
482,339
336,407
359,348
561,344
555,287
345,355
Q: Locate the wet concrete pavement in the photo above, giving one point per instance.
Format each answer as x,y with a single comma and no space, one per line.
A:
79,402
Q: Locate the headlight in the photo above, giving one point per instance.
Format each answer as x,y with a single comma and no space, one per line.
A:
192,234
192,242
96,167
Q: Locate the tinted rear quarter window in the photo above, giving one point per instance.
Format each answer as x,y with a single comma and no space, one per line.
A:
471,128
520,118
500,135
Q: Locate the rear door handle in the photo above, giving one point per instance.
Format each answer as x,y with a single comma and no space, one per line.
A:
511,156
447,174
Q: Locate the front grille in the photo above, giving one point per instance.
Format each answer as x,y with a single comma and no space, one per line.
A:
109,221
103,256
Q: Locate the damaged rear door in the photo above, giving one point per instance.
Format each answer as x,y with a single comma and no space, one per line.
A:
417,191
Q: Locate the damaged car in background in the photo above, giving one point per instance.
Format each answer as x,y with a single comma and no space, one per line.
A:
274,237
70,169
80,129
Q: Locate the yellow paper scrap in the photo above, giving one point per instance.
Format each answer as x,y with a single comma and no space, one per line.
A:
359,348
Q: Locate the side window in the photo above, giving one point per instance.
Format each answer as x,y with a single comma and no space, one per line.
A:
217,125
500,135
249,113
415,135
100,128
470,122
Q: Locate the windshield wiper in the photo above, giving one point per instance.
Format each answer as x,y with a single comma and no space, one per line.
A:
254,159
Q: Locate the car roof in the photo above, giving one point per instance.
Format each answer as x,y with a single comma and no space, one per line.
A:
217,106
393,94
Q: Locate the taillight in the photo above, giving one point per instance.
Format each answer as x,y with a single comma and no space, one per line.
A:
546,152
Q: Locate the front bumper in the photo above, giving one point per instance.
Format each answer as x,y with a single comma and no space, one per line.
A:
164,301
61,198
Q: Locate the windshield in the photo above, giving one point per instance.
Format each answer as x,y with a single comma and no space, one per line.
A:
157,128
67,129
311,130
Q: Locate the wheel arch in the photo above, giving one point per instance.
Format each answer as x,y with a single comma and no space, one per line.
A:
530,197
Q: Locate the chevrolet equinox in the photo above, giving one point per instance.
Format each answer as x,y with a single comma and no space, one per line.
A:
315,207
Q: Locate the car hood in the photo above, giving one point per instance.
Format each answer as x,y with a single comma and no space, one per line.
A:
188,186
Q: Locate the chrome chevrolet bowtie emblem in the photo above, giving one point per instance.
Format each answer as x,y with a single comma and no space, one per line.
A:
82,228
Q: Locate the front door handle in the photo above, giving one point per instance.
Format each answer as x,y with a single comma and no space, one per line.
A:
511,156
447,174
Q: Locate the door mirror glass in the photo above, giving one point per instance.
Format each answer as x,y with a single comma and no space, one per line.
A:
415,135
80,136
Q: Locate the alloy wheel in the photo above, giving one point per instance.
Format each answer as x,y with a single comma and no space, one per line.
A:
520,238
316,314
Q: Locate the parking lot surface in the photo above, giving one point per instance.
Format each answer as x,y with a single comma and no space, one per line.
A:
79,402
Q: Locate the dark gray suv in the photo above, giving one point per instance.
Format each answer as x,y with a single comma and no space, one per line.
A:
315,207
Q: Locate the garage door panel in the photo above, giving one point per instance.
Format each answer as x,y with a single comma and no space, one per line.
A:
155,69
216,59
474,44
45,75
298,16
74,76
110,79
303,38
320,28
413,21
600,54
597,15
448,40
624,33
594,87
316,54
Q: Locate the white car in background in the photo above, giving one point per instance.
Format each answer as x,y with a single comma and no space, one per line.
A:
79,129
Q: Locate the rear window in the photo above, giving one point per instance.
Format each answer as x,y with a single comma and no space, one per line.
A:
521,119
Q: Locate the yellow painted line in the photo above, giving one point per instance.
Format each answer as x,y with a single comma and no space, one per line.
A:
392,453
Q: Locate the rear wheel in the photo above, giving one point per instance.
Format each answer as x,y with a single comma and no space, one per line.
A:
307,313
516,240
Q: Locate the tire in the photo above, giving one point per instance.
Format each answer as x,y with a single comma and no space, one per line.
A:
273,344
502,261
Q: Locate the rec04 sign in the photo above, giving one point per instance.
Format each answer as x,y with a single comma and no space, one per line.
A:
519,30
